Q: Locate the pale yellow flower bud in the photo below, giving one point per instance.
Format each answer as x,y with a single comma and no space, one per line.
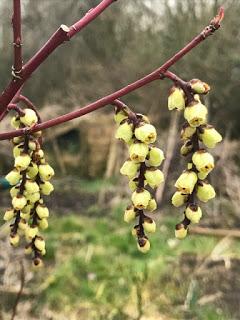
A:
196,114
17,150
205,191
32,145
14,239
31,186
186,148
27,209
178,199
176,99
46,188
193,213
8,215
141,198
39,243
186,182
210,136
39,154
30,117
42,211
37,264
142,117
28,249
154,177
125,132
138,152
120,115
46,172
19,202
180,231
135,231
33,197
14,191
37,134
43,224
152,205
155,157
187,132
25,216
31,232
13,177
149,225
199,86
133,184
189,166
202,175
15,122
146,133
129,214
32,170
22,162
18,140
130,169
22,224
143,245
203,161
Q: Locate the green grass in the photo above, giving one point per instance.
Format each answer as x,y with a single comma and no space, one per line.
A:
92,264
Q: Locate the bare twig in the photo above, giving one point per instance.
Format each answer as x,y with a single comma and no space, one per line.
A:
17,40
216,232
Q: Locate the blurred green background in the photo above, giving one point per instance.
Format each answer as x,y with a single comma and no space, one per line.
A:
93,269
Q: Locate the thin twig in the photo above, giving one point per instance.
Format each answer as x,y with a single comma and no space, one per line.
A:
216,232
22,279
17,40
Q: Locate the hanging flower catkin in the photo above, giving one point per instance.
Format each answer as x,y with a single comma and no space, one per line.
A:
30,182
192,183
141,169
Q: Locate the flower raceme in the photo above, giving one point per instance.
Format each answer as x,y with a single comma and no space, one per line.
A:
142,171
191,185
30,182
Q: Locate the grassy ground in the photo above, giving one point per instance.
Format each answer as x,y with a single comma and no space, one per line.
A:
93,271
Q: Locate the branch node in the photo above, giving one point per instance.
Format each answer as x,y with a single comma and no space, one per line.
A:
16,73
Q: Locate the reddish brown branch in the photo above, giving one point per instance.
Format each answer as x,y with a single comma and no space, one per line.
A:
61,35
155,75
17,40
90,15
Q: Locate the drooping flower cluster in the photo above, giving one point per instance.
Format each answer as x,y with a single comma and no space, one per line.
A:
30,182
141,169
193,182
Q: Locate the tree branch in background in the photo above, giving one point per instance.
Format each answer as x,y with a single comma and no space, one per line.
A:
157,74
63,34
22,282
216,232
17,40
